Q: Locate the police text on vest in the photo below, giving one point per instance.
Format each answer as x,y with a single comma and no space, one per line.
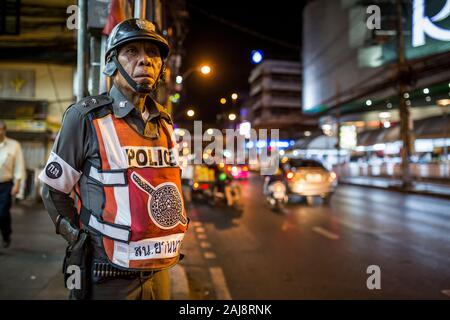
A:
150,157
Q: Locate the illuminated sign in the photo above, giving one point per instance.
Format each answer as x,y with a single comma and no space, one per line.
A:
424,25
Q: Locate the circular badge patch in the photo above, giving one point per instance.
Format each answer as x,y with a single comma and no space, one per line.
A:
53,170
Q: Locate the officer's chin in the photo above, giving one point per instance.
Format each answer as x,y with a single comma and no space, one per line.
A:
144,80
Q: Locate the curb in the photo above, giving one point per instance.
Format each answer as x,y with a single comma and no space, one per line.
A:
398,189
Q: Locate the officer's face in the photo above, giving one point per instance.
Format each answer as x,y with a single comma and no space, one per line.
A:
142,61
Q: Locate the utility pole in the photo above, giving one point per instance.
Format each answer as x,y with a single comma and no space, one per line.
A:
402,72
140,9
81,49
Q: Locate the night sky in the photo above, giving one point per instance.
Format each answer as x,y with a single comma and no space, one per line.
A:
228,50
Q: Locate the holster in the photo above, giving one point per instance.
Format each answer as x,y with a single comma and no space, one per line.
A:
77,264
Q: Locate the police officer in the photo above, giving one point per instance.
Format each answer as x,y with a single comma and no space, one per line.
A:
117,153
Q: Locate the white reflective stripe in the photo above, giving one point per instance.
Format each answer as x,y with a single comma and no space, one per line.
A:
117,160
156,248
122,196
108,230
107,177
59,175
116,156
120,256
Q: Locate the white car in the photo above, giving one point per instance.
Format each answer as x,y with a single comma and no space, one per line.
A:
308,178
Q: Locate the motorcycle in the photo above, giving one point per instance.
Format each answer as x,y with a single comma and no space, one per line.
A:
276,195
227,192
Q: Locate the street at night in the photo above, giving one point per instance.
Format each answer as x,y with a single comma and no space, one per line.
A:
323,252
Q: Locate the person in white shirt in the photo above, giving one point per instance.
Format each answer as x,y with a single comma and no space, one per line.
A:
12,172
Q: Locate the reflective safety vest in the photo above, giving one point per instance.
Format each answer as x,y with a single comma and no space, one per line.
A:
143,220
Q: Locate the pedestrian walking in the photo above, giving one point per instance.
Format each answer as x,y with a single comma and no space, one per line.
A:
12,173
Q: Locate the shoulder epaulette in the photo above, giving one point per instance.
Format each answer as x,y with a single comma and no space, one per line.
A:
91,103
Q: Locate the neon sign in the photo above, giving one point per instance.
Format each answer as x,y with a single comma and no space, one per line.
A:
424,25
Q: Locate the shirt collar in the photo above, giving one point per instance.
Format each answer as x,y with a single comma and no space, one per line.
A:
122,106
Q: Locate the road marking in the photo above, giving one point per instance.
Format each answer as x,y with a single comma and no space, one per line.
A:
446,292
200,230
326,233
209,255
205,245
196,223
201,236
219,283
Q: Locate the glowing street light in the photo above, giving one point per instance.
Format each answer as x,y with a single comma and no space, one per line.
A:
190,113
232,116
257,56
234,96
223,100
205,69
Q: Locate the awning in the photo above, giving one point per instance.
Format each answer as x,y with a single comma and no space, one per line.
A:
370,137
431,128
323,143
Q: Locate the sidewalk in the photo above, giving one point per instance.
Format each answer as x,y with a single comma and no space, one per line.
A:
424,188
31,267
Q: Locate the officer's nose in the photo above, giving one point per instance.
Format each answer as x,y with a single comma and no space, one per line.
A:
144,59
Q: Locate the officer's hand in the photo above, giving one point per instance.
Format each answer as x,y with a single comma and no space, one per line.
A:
68,232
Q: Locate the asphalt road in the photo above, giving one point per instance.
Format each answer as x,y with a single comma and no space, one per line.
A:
324,252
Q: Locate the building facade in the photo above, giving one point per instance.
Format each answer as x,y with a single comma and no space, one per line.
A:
275,98
351,76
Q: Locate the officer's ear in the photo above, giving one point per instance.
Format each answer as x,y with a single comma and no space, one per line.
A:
162,77
110,66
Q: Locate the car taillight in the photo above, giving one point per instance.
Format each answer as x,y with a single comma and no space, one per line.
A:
290,175
204,186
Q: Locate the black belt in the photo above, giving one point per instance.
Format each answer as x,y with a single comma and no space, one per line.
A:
7,182
106,270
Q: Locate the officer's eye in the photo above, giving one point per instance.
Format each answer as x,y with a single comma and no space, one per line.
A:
131,50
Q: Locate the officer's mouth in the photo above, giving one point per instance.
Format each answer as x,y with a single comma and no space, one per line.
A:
144,78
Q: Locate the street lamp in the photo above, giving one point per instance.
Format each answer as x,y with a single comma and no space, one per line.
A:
190,113
234,96
444,103
232,116
203,69
223,101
